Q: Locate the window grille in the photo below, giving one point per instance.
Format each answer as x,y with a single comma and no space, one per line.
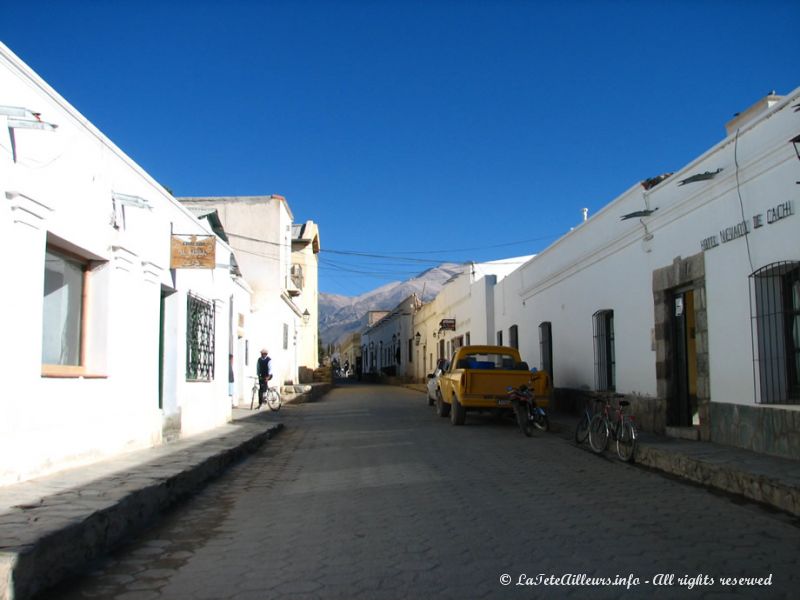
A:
775,322
546,347
604,356
199,339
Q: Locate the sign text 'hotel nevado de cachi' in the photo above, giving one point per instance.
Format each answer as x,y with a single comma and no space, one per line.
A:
728,234
193,252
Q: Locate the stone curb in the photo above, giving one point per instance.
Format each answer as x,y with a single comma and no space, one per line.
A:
760,488
41,545
317,391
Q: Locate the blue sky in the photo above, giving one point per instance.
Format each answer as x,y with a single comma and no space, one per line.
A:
411,131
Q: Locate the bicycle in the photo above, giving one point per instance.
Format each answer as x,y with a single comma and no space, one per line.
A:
272,397
622,428
582,428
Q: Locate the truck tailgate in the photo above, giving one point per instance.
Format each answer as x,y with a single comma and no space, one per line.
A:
491,384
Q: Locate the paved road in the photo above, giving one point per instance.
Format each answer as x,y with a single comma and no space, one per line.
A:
367,494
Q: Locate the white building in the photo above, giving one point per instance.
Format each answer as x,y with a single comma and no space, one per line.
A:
463,313
106,348
683,293
388,342
304,276
279,262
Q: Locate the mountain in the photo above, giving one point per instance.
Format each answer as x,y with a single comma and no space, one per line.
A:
342,315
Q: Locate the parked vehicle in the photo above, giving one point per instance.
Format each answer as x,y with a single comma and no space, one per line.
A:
478,378
433,380
528,413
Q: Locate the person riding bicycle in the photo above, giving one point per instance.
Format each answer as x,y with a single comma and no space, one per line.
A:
264,372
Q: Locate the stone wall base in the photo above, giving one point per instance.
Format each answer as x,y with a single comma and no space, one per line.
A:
767,429
649,412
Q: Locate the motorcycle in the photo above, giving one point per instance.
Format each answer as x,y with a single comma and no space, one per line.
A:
529,415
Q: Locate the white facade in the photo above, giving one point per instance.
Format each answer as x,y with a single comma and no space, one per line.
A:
304,277
469,302
672,288
95,360
387,345
260,231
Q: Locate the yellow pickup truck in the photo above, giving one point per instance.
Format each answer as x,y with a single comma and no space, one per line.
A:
478,378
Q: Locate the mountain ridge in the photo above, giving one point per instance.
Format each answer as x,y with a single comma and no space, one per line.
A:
341,315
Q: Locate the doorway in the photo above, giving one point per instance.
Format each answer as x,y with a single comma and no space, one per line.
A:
682,410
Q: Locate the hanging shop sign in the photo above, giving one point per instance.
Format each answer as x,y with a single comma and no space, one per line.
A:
193,252
742,228
447,325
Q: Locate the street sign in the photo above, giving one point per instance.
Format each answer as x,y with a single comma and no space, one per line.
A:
193,252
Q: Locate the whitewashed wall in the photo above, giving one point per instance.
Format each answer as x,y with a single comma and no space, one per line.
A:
59,189
607,263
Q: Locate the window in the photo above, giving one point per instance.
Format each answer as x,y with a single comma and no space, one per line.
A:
604,359
776,325
285,336
499,338
513,337
410,351
467,338
296,275
63,312
199,339
457,343
546,347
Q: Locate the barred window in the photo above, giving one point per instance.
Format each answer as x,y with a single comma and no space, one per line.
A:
775,290
199,339
604,356
546,347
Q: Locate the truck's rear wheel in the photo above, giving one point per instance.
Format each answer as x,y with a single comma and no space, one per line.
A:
442,409
458,414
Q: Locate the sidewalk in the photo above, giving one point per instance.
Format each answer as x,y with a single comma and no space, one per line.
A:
770,480
52,526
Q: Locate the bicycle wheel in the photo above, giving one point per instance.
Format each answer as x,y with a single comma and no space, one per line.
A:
273,399
582,430
626,441
540,420
521,413
598,434
254,397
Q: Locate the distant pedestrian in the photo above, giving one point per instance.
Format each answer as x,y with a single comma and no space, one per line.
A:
264,372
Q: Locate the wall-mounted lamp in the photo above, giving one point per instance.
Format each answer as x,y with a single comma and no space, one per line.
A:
796,144
417,338
306,316
130,200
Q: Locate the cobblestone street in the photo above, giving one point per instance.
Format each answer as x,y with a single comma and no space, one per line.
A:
367,494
